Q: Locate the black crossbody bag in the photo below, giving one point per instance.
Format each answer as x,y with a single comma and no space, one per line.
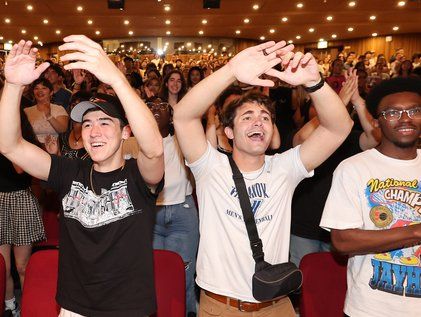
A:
269,281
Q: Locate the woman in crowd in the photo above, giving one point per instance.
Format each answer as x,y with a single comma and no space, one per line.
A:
173,88
69,143
177,224
46,118
150,88
405,69
194,76
20,221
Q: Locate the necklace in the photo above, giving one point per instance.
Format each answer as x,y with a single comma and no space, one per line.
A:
256,177
91,178
76,140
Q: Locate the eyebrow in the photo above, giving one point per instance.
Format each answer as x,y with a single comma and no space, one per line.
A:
100,119
251,112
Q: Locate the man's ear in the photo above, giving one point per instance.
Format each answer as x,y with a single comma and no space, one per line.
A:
126,132
229,133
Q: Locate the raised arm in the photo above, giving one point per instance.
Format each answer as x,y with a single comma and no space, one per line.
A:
246,66
19,71
90,56
335,123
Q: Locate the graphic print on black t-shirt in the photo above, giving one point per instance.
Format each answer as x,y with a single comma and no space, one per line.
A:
93,211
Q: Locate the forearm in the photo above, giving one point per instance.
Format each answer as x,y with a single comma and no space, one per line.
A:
357,241
331,111
141,120
59,124
10,129
366,120
197,101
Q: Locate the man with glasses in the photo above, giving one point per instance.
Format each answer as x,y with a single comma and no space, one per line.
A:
374,208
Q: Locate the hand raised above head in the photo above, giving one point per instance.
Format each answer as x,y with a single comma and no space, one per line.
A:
90,56
19,68
254,61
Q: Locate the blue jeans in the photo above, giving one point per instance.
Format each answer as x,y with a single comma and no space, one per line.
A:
302,246
177,229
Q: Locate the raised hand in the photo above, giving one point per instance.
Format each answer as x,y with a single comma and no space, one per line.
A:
349,86
20,64
254,61
51,144
299,69
90,56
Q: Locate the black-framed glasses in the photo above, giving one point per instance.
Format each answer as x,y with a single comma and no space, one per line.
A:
162,106
394,114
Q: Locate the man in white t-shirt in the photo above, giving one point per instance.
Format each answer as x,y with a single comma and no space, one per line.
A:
374,208
225,264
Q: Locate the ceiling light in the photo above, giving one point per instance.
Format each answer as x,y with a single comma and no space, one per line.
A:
90,22
130,32
350,29
374,34
329,18
352,3
97,32
321,40
58,31
122,45
10,41
334,36
79,8
298,37
29,7
40,43
311,30
284,19
1,38
246,20
290,41
401,3
272,31
200,32
167,22
256,7
300,5
204,21
126,22
262,38
7,20
168,32
372,18
23,31
237,32
395,28
210,45
45,21
36,38
167,7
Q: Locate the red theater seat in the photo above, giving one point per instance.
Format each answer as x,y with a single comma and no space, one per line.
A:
324,285
39,290
38,298
2,283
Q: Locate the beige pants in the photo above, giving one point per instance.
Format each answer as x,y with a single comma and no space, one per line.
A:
210,307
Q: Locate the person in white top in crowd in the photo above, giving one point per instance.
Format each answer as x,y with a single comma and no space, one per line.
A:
374,209
225,264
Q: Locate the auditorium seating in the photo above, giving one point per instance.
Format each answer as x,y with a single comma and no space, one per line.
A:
324,285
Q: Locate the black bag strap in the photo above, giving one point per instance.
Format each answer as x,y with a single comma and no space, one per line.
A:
255,242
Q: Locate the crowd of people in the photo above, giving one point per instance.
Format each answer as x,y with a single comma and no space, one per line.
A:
329,151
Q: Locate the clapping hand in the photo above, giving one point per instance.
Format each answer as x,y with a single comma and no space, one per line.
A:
349,86
90,56
20,64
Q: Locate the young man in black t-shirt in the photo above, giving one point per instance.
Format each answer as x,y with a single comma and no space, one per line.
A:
108,203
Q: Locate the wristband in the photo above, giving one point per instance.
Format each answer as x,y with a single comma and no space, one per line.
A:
317,86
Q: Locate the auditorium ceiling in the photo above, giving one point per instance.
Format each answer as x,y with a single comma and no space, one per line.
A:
298,21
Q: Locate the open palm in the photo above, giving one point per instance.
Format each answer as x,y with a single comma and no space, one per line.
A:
20,64
301,70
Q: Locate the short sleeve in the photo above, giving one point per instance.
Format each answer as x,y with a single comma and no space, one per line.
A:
206,163
343,208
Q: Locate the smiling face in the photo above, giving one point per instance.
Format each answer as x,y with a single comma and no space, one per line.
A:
174,84
403,133
102,137
195,76
42,93
252,130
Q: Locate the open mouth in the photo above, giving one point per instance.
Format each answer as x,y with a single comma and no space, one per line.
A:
97,144
256,135
406,130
